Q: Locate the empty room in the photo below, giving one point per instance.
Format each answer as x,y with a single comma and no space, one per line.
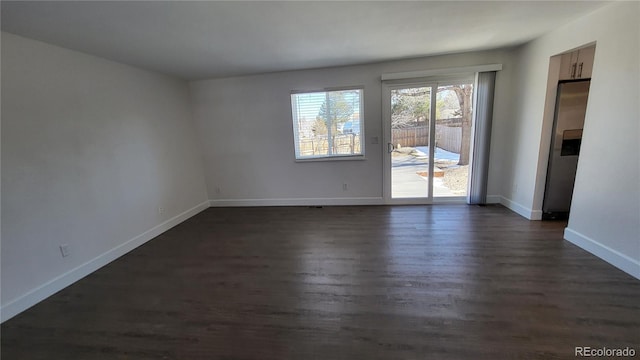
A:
320,180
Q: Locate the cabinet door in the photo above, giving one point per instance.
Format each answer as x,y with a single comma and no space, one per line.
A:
585,62
566,66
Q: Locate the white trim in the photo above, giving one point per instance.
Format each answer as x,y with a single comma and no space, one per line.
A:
328,89
332,158
521,209
445,71
386,141
34,296
408,201
297,202
449,200
492,199
621,261
295,112
536,215
386,155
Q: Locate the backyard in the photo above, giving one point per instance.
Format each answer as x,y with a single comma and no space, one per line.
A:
413,113
410,166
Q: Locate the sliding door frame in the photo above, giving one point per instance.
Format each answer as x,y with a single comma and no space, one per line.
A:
433,83
387,167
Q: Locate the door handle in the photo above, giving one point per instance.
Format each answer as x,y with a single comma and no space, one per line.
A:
573,71
390,148
580,71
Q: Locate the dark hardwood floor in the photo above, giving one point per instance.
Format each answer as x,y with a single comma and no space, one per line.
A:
378,282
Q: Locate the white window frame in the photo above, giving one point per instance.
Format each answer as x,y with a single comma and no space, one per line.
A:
327,157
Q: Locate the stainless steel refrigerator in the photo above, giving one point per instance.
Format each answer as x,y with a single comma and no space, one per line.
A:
571,106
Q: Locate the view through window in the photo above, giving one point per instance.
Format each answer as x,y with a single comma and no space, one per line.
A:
327,124
410,136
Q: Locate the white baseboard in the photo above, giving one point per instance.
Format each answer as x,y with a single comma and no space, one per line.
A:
18,305
494,199
521,209
536,215
613,257
449,200
297,202
491,199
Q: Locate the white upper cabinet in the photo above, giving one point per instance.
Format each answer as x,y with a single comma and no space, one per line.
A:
577,64
585,62
566,66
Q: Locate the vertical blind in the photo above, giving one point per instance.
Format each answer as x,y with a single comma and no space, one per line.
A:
482,138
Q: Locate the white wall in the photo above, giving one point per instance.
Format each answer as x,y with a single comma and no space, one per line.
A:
90,150
605,212
246,128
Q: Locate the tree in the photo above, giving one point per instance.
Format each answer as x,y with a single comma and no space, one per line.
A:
463,92
411,106
334,110
338,111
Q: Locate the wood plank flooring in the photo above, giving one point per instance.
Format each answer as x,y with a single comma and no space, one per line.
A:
377,282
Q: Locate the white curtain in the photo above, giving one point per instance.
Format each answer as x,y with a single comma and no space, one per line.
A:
482,138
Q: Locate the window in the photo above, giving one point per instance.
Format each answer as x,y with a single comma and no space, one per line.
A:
328,124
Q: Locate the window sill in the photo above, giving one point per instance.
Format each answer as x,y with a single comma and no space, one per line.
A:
333,158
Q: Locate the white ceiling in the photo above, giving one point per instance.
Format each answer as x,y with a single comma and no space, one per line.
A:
196,40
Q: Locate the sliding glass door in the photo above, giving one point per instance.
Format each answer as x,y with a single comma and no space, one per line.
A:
409,141
417,116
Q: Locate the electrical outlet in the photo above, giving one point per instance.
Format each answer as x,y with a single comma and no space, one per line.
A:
160,210
345,187
64,250
217,190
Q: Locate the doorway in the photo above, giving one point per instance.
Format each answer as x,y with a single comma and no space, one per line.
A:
565,109
417,115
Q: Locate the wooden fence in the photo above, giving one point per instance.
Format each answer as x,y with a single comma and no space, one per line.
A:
410,137
447,137
343,144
